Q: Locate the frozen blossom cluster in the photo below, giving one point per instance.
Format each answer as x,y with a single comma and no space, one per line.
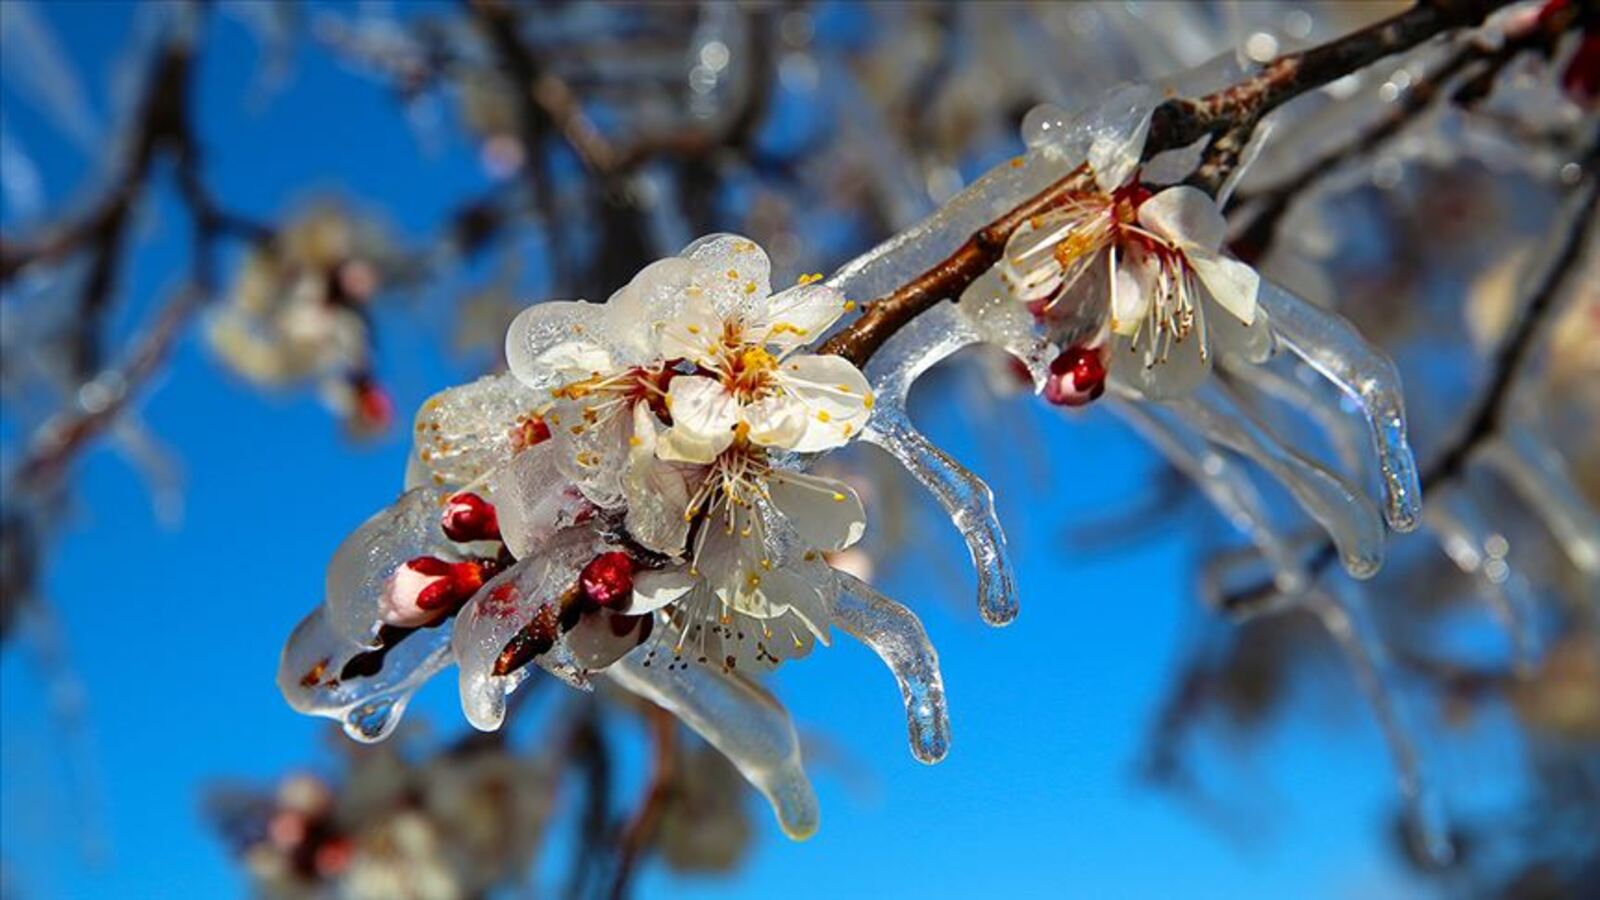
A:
631,501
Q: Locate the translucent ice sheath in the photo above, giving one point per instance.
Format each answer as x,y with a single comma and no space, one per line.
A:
1340,508
1225,484
741,720
916,348
893,632
1333,347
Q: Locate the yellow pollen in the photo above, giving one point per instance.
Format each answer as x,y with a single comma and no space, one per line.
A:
633,441
733,274
757,359
752,580
750,287
822,416
849,429
694,329
868,401
787,327
838,497
849,306
741,431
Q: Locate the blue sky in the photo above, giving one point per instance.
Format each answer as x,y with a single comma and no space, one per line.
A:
174,631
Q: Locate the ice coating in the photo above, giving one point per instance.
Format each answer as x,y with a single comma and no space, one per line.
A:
1225,484
1342,616
1111,133
463,433
1479,550
360,569
965,497
533,499
1350,519
993,314
1333,347
314,677
1540,476
741,720
895,634
929,338
1291,392
501,608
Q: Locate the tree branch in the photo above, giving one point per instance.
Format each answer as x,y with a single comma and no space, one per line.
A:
1174,124
640,830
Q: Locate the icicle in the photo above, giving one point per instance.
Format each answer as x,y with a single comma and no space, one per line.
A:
1333,347
1344,512
1479,550
894,633
1521,455
1267,382
740,719
965,497
314,675
1225,484
1343,618
916,348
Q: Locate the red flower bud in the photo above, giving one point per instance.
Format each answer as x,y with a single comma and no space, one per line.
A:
1077,377
607,580
427,588
469,517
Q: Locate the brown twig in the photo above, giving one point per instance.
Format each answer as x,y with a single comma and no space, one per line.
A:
639,833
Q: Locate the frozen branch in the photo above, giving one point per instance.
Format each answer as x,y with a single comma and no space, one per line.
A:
1231,111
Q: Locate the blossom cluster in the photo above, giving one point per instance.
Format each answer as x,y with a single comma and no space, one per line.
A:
631,499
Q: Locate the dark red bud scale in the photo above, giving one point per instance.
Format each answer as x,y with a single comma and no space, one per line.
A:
373,406
607,580
1077,376
456,583
468,517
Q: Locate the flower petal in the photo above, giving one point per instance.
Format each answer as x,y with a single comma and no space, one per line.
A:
1175,376
1231,283
1185,215
465,432
827,514
657,492
703,418
732,272
656,588
837,398
776,421
1130,292
694,333
534,500
550,344
798,316
602,637
637,312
